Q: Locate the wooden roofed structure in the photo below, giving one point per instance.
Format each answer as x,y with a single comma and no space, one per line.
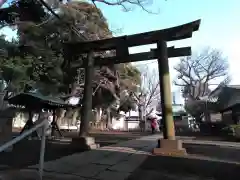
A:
120,46
226,100
36,102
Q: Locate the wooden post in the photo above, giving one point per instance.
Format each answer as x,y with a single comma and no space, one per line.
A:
86,109
6,125
54,124
165,89
109,119
29,122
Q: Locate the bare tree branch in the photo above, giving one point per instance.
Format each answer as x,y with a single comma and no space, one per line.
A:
196,72
125,4
149,86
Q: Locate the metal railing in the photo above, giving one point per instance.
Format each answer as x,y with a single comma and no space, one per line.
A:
42,125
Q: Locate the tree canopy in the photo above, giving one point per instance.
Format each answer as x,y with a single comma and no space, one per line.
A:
36,59
130,79
196,73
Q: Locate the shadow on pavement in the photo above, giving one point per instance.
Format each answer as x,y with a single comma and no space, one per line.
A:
185,168
132,160
27,153
173,168
214,151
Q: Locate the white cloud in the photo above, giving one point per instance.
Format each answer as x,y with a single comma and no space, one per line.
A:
233,52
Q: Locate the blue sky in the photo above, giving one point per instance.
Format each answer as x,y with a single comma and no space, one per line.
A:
220,26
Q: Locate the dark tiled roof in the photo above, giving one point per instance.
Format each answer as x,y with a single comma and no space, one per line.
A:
228,96
36,99
234,86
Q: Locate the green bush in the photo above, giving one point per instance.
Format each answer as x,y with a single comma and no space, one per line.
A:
235,126
231,129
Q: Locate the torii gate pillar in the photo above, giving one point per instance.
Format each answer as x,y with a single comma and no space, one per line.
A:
84,141
168,145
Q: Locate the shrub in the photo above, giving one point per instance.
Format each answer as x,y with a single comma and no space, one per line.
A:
232,130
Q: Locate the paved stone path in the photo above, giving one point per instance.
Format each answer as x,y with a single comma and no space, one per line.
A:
106,163
116,162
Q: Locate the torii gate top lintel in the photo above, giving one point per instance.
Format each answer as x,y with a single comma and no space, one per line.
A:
170,34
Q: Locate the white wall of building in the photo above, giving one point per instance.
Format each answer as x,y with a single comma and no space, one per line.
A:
119,123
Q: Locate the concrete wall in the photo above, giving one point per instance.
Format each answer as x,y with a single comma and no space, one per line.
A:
121,124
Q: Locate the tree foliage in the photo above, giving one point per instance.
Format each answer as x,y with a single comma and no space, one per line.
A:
45,41
41,39
40,63
130,76
127,102
15,71
130,80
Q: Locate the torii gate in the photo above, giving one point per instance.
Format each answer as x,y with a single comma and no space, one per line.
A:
121,45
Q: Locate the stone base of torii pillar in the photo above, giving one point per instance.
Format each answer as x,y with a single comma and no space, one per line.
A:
84,143
169,148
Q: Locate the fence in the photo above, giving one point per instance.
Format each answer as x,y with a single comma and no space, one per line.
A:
42,125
